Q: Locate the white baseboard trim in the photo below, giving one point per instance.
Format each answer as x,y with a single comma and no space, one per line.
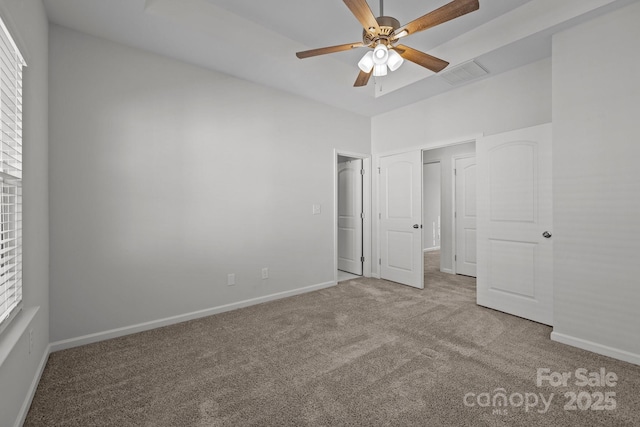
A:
596,348
24,410
128,330
447,270
437,248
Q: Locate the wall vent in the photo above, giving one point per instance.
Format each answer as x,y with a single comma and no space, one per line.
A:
462,73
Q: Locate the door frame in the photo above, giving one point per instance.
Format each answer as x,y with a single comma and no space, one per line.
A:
366,209
454,219
375,269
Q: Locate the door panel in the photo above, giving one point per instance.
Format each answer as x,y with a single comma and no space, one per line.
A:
514,210
466,216
470,245
509,260
400,210
512,182
399,195
400,258
350,216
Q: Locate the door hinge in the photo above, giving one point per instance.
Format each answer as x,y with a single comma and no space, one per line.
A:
361,259
362,215
455,257
379,261
379,170
455,214
379,216
455,171
361,171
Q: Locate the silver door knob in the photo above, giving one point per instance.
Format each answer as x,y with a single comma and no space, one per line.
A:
546,235
416,226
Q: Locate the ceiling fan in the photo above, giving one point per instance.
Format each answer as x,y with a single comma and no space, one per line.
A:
383,33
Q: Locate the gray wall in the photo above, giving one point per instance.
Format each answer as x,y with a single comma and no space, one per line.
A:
512,100
596,183
166,177
445,157
18,368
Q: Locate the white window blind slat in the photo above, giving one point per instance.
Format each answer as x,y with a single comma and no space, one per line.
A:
11,63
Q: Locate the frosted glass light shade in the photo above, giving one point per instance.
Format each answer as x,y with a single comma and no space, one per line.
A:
395,60
380,70
366,63
380,55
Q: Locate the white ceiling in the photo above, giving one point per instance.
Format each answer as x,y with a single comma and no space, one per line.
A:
257,40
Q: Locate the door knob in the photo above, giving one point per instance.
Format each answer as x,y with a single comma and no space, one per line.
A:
416,226
546,235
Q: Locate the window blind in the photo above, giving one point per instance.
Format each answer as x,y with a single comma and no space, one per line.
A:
11,63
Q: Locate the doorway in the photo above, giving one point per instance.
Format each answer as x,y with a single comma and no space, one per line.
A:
401,210
352,222
350,217
454,188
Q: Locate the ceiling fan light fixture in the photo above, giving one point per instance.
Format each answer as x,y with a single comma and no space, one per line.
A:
366,63
380,54
380,70
395,60
383,32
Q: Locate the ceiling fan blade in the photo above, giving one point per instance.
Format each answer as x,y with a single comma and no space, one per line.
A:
330,49
363,79
427,61
363,13
443,14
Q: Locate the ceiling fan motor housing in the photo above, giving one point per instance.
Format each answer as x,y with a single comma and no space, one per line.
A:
387,25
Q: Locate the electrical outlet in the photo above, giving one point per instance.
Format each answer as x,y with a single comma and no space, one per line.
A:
265,273
231,279
30,340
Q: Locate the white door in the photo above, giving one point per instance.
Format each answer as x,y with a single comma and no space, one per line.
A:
465,216
350,216
400,219
515,250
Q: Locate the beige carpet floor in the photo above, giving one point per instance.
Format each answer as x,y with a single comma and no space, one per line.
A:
364,353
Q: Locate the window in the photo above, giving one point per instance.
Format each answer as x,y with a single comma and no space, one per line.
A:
11,63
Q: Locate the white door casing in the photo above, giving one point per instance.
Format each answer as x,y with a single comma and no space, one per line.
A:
350,211
465,215
400,184
515,259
